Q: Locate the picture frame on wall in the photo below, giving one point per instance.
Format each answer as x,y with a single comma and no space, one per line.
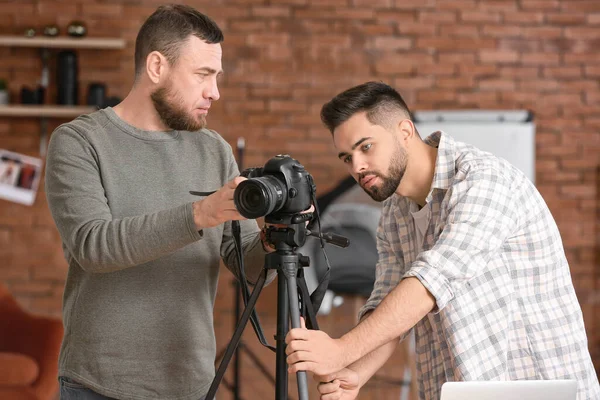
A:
19,177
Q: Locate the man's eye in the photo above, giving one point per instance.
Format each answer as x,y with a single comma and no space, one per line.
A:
367,146
348,159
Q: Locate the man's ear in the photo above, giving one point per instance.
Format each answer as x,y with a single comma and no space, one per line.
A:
407,129
156,66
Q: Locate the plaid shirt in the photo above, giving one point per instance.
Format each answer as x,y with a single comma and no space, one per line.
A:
493,259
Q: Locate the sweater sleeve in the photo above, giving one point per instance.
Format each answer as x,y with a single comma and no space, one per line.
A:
80,209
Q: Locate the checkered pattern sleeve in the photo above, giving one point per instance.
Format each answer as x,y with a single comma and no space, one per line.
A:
480,215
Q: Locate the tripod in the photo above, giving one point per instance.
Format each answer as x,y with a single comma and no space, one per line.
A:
286,237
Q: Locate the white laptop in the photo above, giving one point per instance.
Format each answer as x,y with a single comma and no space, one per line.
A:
508,390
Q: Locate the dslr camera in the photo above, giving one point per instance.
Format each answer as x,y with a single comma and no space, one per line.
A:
277,191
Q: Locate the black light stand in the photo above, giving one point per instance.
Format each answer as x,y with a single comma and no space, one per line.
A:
289,235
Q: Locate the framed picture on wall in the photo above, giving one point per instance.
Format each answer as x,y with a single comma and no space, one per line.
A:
19,177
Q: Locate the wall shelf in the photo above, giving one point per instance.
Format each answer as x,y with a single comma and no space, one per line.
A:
62,42
45,43
44,111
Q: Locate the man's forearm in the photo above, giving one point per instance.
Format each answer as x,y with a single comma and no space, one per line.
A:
372,362
399,311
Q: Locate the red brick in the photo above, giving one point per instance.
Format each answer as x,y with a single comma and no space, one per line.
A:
540,58
480,16
436,17
248,26
419,82
373,3
20,8
355,13
498,56
578,191
102,10
583,32
287,106
393,64
584,57
593,18
456,5
496,84
396,16
392,43
449,43
502,30
578,85
479,99
560,177
478,70
546,165
498,5
416,28
459,30
592,71
375,29
293,2
437,70
540,4
335,3
456,58
463,82
271,11
435,96
32,288
562,72
414,4
522,17
54,271
525,73
542,32
562,18
580,5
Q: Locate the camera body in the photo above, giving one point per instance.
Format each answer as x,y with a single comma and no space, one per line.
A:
278,191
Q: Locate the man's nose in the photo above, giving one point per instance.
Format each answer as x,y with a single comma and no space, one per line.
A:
358,165
213,92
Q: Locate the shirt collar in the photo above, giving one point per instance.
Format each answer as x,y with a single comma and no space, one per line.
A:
445,162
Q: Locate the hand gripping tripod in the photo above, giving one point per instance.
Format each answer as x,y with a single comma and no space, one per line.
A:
286,237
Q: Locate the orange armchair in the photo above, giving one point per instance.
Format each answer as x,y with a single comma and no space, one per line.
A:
29,347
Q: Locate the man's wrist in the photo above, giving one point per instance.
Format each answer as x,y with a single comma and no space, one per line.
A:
348,350
197,215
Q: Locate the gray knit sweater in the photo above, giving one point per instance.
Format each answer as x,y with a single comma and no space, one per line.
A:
141,286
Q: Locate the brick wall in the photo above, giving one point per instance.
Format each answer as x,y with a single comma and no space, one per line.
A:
285,58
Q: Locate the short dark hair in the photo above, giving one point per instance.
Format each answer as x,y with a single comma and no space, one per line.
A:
377,99
168,28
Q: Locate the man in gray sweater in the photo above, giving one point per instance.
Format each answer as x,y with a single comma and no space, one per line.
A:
143,253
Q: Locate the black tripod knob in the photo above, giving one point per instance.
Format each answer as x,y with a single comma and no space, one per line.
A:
304,261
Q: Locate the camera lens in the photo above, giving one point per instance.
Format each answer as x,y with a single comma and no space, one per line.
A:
257,197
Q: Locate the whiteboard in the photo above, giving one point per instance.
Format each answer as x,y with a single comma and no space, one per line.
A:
506,134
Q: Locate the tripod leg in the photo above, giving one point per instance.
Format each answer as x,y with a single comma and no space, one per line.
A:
291,271
236,336
236,357
281,375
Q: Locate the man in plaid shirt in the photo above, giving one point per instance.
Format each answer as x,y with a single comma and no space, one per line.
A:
469,256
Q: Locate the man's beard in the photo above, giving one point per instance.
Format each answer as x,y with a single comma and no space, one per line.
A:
168,106
391,180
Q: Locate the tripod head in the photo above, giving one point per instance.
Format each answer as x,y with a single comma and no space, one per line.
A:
291,232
